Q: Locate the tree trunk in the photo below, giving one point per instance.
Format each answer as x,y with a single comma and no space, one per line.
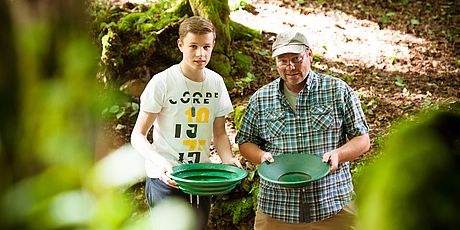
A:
218,13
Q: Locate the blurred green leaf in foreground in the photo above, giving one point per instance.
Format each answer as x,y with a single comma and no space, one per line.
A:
51,110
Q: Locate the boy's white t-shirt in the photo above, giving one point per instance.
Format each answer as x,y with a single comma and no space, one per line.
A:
179,136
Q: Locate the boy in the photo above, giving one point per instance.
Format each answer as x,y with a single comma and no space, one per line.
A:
187,104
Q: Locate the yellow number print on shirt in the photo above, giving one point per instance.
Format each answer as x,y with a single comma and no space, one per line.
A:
202,115
194,146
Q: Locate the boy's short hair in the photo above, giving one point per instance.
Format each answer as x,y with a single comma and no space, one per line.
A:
196,25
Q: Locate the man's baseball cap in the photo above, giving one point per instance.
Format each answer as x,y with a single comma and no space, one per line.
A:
289,42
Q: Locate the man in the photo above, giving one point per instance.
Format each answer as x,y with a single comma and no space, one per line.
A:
187,104
308,113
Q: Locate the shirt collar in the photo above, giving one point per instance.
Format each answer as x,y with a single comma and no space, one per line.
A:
307,87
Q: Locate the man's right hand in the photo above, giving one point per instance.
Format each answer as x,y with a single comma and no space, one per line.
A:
267,156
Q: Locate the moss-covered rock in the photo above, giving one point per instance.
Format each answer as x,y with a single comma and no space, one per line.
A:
221,64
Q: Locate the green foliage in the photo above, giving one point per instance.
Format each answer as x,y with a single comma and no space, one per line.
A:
357,170
391,14
414,22
348,78
396,193
146,43
240,204
242,82
316,58
386,18
393,60
130,21
128,35
153,20
238,116
111,58
399,82
369,106
320,2
239,4
404,2
50,183
243,62
457,63
106,44
264,53
242,66
379,141
221,64
119,111
240,208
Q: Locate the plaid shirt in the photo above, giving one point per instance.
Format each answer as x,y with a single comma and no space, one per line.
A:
327,113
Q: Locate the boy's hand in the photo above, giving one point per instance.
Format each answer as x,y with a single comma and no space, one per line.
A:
165,176
233,161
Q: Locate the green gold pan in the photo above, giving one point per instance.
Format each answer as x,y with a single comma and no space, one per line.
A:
294,170
207,178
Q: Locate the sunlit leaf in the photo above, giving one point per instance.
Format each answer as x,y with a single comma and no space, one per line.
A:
399,82
427,102
114,109
120,126
414,22
263,53
316,58
391,14
120,114
385,20
393,59
457,63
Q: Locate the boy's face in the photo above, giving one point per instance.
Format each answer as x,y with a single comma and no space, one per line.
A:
196,49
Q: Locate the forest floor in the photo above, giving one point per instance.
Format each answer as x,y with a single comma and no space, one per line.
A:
399,56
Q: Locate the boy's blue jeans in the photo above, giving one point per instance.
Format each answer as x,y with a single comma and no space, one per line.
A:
156,191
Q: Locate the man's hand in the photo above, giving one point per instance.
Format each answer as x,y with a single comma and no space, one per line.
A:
347,152
333,158
267,156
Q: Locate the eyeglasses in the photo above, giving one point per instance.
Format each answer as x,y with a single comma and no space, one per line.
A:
296,60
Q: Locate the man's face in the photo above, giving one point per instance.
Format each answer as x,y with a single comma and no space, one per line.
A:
196,49
293,68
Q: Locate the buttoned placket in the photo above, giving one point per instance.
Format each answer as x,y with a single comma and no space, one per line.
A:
301,108
304,209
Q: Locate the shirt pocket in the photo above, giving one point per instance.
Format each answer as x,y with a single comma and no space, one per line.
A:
321,117
274,124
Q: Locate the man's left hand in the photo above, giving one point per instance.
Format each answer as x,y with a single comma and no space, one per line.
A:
333,158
